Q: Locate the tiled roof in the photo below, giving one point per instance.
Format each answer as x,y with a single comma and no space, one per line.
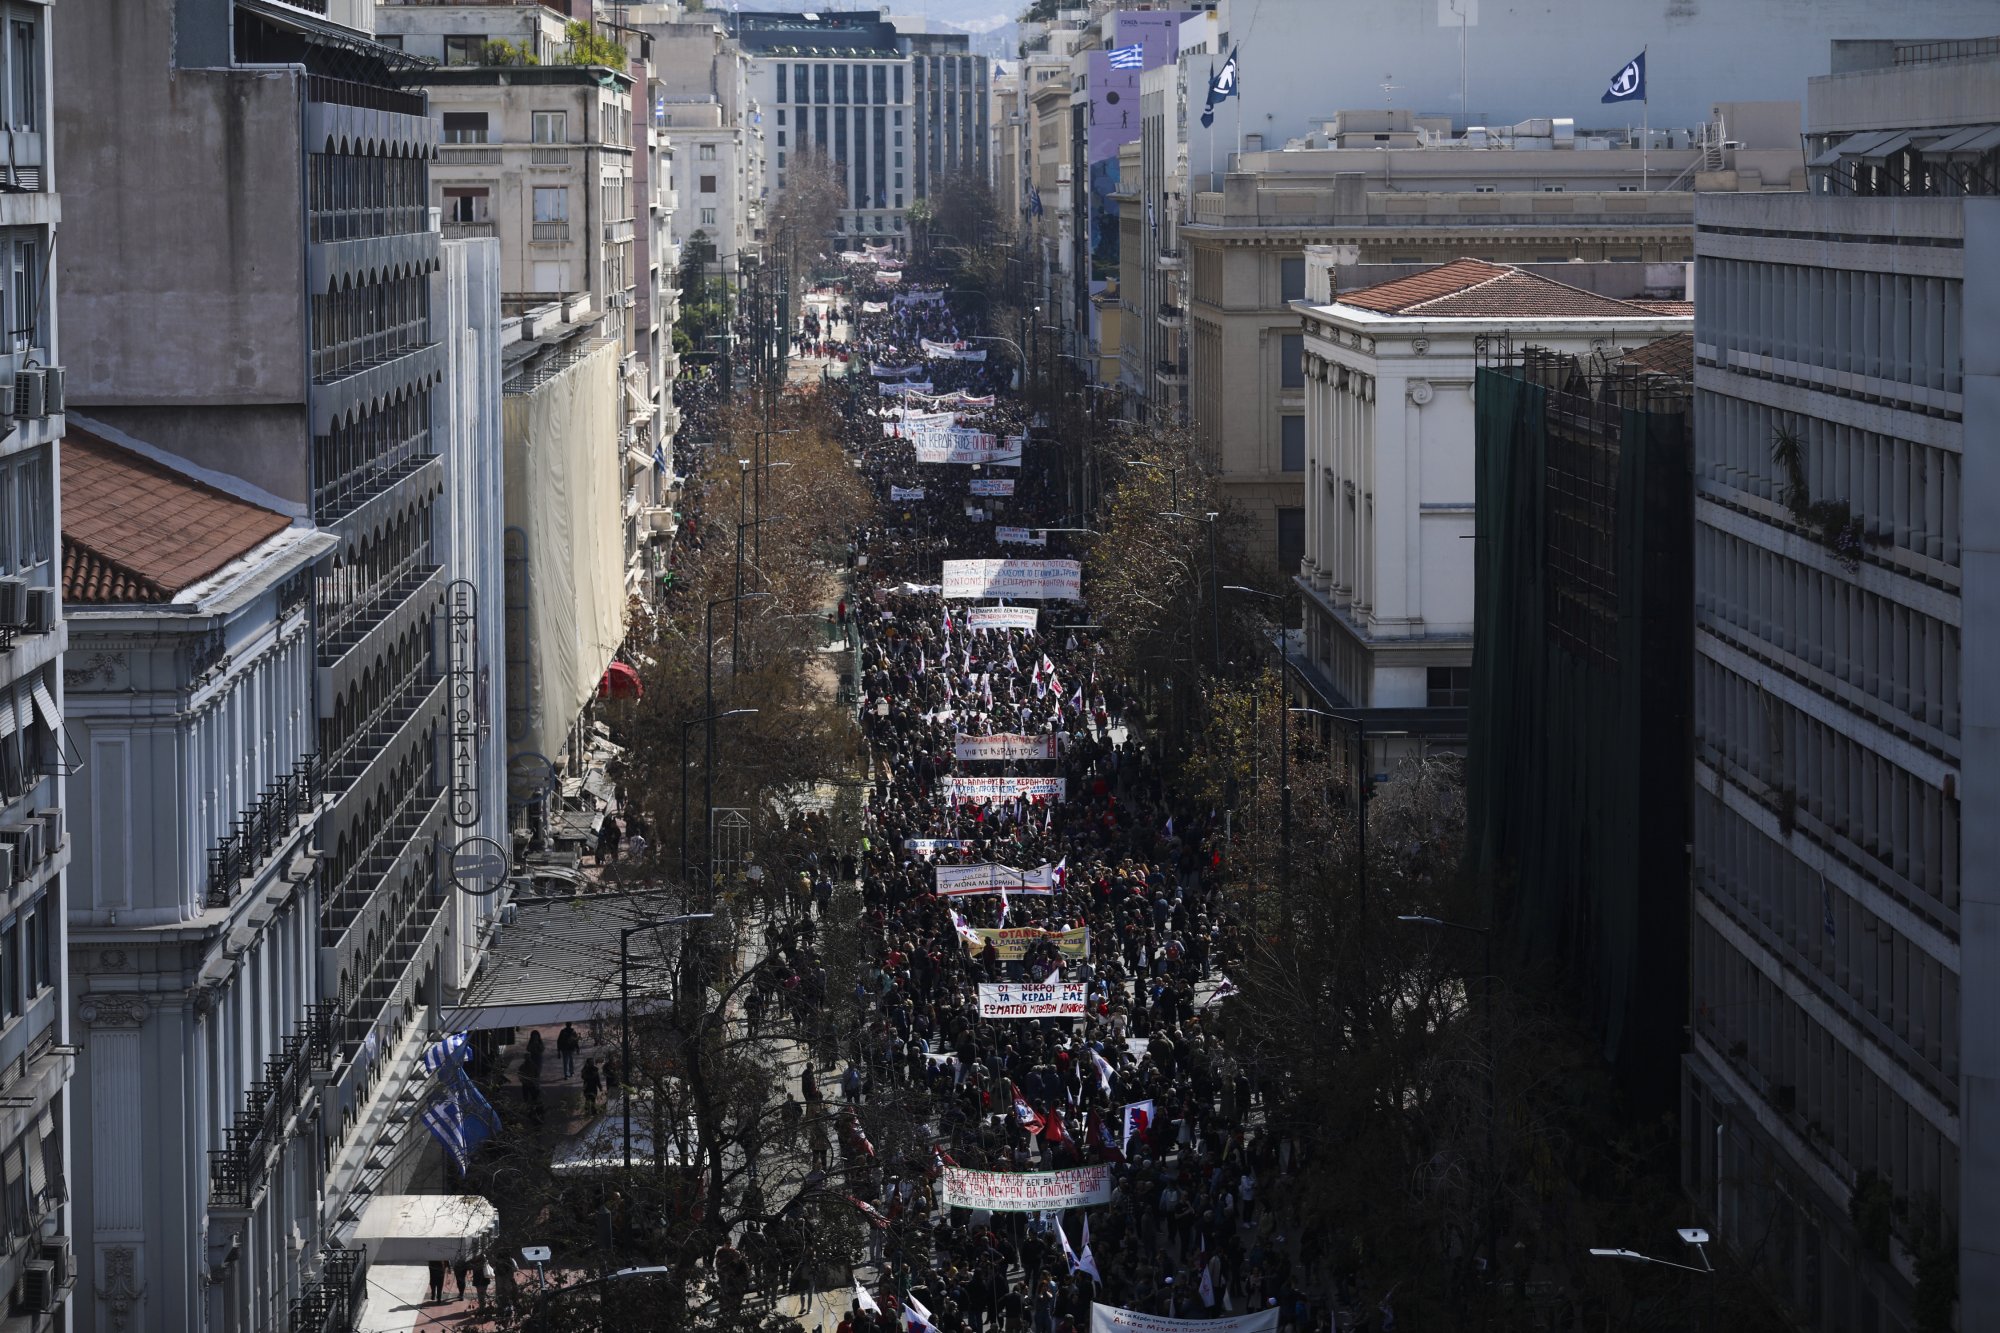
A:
1473,288
135,531
1671,355
1685,309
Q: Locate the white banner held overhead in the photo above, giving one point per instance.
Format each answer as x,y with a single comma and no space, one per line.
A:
1003,789
1114,1319
964,446
1006,999
988,878
1056,580
1007,536
931,846
952,351
898,494
1002,617
891,389
1003,745
995,486
1027,1191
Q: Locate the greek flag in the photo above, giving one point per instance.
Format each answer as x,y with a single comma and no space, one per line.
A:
1128,57
460,1119
659,457
448,1053
1035,202
1629,83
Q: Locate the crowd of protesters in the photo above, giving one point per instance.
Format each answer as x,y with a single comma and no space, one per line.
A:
1190,1230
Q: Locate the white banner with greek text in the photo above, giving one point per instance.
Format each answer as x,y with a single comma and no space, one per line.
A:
1007,536
989,878
1114,1319
1028,1191
898,494
1002,617
1003,789
1058,580
997,486
1006,745
1006,999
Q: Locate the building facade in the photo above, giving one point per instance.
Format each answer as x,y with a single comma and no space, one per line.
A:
1843,1063
897,113
313,392
36,1121
1385,376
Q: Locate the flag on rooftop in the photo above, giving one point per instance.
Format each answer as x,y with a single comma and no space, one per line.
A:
1221,87
1629,83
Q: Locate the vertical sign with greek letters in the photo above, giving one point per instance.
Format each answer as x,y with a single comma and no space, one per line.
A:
462,671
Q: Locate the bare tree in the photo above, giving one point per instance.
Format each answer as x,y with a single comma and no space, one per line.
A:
807,206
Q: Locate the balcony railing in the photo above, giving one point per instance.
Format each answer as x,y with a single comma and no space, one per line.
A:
235,1172
333,1303
458,231
1173,314
261,830
1170,259
548,156
550,231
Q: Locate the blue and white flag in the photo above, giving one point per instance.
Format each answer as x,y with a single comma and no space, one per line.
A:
660,458
1035,202
460,1119
1629,83
1128,57
445,1054
1221,87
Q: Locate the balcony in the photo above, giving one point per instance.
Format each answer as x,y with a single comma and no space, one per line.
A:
333,1302
467,154
1169,261
550,233
1172,316
543,155
1173,374
460,231
236,1172
263,830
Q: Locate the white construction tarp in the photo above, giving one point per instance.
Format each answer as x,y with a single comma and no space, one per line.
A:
564,492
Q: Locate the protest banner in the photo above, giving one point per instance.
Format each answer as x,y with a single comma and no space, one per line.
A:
1011,943
1007,999
1028,1191
932,846
1003,789
998,486
1007,536
1005,745
1115,1319
891,389
989,878
898,494
1056,580
952,351
1002,617
951,445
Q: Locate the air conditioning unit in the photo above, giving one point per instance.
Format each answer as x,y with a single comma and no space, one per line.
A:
53,397
27,841
56,1249
9,872
41,616
38,1286
52,828
31,393
13,601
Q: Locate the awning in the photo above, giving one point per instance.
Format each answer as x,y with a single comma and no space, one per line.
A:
555,960
1885,150
1975,141
417,1228
620,681
1854,145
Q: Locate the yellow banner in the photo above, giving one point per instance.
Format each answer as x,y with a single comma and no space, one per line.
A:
1011,942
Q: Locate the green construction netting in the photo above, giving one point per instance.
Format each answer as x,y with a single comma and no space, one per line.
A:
1578,768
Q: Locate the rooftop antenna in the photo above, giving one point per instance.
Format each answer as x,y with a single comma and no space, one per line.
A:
1388,91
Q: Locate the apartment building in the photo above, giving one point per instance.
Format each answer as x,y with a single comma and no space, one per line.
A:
1843,1059
313,393
898,112
1380,548
714,129
36,1050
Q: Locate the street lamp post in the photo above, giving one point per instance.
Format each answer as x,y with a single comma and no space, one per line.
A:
625,935
1485,934
686,727
1694,1236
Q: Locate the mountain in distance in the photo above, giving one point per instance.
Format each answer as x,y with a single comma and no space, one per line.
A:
992,24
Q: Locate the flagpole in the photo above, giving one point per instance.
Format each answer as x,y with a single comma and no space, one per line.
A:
1645,129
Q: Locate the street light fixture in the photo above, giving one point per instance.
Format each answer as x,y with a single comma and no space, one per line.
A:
1694,1236
625,934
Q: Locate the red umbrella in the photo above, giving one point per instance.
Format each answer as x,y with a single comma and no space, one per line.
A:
620,682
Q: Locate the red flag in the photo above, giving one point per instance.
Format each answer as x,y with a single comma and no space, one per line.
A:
875,1219
1052,1131
1026,1114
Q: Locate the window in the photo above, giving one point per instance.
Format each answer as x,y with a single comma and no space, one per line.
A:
1628,189
708,184
781,160
899,133
10,971
465,127
1448,687
468,205
24,76
781,91
1485,189
24,294
781,135
392,40
1291,541
1292,279
840,85
1552,189
551,127
819,84
465,50
552,203
705,153
1292,361
708,217
899,155
1292,443
899,184
781,115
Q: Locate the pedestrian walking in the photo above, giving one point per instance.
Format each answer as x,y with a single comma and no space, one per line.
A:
608,837
567,1043
437,1281
461,1270
592,1083
482,1278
